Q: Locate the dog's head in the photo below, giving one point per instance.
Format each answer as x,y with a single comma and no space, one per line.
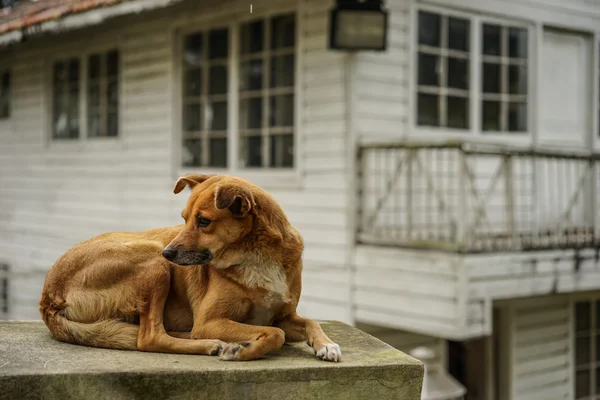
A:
221,220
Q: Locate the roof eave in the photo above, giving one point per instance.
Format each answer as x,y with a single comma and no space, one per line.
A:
82,19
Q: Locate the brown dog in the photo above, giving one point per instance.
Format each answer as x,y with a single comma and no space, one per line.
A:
227,282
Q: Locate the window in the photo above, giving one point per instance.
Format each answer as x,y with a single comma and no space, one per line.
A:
443,65
205,98
266,91
4,95
504,79
587,350
446,85
4,302
263,100
101,95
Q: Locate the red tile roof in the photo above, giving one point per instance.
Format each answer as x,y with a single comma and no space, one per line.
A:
27,12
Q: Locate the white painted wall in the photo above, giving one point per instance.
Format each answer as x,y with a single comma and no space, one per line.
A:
54,195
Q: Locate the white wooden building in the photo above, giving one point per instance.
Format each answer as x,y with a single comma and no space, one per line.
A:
447,188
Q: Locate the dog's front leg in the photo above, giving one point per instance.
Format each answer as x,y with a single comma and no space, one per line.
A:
298,329
252,341
152,335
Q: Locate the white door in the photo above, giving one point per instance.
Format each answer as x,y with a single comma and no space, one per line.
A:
566,90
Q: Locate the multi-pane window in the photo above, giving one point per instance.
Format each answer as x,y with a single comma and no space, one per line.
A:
103,94
93,81
587,350
444,76
65,99
504,78
4,94
446,82
266,92
205,98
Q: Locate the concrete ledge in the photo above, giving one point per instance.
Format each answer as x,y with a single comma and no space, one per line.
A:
35,366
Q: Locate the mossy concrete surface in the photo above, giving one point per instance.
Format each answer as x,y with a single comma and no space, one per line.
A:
35,366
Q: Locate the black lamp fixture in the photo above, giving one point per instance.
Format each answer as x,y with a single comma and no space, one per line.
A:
358,25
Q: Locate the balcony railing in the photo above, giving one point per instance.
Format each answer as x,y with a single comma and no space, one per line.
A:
473,198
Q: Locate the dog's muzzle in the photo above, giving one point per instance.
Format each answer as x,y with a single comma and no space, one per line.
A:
187,257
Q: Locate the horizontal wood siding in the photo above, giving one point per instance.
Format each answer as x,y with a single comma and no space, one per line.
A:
54,195
408,290
382,81
540,352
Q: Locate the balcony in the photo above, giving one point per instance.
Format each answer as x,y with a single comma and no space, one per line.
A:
474,198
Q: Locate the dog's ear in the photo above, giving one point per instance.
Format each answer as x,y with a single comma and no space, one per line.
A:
189,180
238,200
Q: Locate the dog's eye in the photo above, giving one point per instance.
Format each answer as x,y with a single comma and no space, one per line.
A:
203,222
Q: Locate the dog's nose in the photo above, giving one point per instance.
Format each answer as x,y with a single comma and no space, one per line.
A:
169,254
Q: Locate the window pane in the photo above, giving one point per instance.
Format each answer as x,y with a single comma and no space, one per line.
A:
517,79
218,152
598,319
458,73
60,72
597,382
282,151
112,123
582,316
428,70
252,37
458,112
283,31
251,75
93,99
282,110
491,78
74,71
192,153
491,40
5,96
429,29
517,43
219,116
252,151
94,124
251,113
490,116
517,117
112,93
282,71
112,63
192,117
194,49
458,34
218,44
218,80
73,113
428,110
582,384
193,82
94,65
582,351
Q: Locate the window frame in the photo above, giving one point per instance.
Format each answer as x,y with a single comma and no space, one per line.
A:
83,139
268,177
474,132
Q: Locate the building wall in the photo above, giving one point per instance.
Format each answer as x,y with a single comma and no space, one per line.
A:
54,195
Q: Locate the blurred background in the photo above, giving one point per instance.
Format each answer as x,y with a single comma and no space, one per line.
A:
439,157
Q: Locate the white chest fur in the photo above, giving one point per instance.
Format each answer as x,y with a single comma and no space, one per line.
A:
270,277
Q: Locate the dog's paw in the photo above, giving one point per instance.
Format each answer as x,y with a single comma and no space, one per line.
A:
229,352
216,347
329,352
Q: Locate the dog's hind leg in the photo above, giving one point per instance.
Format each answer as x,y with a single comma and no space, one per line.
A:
152,334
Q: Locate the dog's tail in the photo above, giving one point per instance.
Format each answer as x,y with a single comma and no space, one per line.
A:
108,334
